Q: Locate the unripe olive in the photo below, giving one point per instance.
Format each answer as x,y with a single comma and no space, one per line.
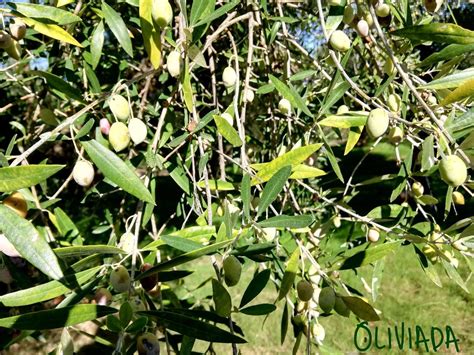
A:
104,125
284,106
229,77
148,283
453,171
137,304
318,333
161,12
458,244
83,173
119,107
417,189
232,270
334,2
430,253
389,67
18,29
395,135
17,203
339,41
341,308
377,123
127,242
173,63
137,130
5,40
327,299
383,10
248,95
120,279
342,110
373,235
458,198
7,248
348,16
119,137
148,344
305,290
14,51
336,221
228,117
433,5
48,116
368,18
394,102
103,297
362,28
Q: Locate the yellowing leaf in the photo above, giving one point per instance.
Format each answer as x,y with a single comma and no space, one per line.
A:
305,172
352,138
151,37
53,31
462,92
64,2
217,185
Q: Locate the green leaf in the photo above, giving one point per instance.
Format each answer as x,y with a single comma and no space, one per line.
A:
347,120
284,324
29,243
273,187
334,96
125,313
43,13
289,93
97,42
187,89
259,309
303,171
427,153
192,327
454,275
437,32
290,274
368,256
462,125
118,27
199,9
59,84
449,52
227,131
352,139
465,90
450,81
165,276
179,243
50,30
56,318
48,290
293,157
428,200
245,195
221,298
218,13
114,324
255,286
361,308
285,221
137,325
151,34
116,170
182,259
82,250
217,185
18,177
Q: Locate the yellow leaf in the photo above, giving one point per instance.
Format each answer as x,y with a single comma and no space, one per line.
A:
464,91
352,138
305,172
53,31
64,2
151,35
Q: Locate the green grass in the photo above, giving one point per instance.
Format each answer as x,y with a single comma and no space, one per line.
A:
406,295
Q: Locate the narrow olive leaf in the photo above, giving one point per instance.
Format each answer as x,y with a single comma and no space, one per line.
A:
222,300
165,276
427,153
150,34
465,90
259,309
44,12
245,195
50,30
204,232
273,187
18,177
199,9
179,243
284,324
27,241
184,258
437,32
285,221
255,286
227,131
450,81
352,138
377,275
447,53
82,250
461,126
48,290
361,308
289,93
187,89
218,13
56,318
334,95
116,170
59,84
97,42
125,313
118,27
192,327
345,121
368,256
302,171
454,275
217,185
290,274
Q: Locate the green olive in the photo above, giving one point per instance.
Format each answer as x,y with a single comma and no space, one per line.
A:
453,171
232,270
327,299
304,290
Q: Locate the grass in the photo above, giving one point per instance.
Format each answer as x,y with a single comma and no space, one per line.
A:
406,295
